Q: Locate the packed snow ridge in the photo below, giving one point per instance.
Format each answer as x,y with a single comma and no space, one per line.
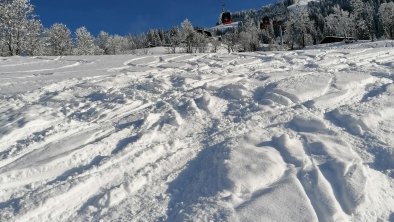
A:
271,136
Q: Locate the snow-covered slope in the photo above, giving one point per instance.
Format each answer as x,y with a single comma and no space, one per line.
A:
278,136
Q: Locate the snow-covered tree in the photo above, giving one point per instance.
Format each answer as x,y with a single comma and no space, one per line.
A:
386,16
231,40
340,23
14,24
102,41
136,42
300,30
174,38
267,35
161,34
369,17
117,44
112,45
188,34
85,43
153,38
249,36
363,18
291,32
34,43
131,43
200,43
215,43
59,40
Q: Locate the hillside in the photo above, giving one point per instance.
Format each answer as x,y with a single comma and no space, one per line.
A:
279,136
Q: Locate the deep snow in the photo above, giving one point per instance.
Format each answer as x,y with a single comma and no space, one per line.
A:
277,136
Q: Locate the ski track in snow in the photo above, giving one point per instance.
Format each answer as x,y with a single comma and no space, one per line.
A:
269,136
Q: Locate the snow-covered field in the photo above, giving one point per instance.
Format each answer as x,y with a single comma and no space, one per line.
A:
277,136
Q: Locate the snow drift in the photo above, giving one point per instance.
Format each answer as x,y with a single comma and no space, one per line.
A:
277,136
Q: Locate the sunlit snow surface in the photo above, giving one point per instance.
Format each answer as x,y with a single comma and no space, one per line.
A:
269,136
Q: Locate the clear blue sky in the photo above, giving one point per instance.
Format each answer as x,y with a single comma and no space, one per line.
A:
135,16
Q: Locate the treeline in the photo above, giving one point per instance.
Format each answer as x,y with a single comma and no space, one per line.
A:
308,25
22,33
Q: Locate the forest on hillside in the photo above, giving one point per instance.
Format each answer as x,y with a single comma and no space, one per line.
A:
22,33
